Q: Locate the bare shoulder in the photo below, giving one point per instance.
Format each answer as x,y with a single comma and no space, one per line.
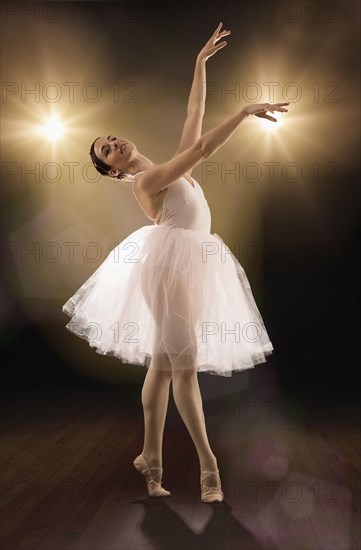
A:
149,202
142,185
137,185
139,188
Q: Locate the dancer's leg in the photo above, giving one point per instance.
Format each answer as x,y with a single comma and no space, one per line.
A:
169,300
155,396
155,392
188,400
181,344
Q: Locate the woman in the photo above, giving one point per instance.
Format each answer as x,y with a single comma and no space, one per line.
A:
171,295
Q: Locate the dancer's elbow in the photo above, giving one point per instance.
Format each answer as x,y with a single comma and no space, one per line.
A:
205,150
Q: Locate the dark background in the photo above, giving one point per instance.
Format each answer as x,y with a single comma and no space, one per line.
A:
305,272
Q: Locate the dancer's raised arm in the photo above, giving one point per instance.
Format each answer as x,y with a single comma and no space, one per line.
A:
192,129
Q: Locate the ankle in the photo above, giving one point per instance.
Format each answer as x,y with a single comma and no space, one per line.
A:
153,461
209,465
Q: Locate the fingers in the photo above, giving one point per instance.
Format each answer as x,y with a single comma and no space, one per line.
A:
218,37
280,108
223,33
263,114
218,47
277,107
268,117
269,107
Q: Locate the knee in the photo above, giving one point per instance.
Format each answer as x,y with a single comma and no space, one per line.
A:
161,376
183,376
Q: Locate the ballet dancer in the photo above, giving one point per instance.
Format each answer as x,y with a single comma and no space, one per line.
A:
174,298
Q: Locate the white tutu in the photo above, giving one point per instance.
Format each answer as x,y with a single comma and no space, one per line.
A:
172,298
174,291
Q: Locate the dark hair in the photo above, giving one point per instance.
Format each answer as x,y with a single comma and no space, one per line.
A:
101,166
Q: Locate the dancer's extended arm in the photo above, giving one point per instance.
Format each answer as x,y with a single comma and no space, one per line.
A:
153,180
192,129
216,137
194,148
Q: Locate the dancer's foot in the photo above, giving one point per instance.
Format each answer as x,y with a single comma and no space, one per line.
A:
153,477
211,490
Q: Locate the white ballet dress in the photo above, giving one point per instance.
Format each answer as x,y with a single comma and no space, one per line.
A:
172,295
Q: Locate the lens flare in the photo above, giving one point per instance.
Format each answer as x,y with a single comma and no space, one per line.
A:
269,125
53,129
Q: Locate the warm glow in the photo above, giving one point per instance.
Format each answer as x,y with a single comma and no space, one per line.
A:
271,126
53,129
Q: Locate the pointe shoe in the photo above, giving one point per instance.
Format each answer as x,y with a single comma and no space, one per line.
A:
211,493
154,487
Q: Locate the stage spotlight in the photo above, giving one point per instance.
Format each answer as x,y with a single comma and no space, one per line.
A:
53,129
270,126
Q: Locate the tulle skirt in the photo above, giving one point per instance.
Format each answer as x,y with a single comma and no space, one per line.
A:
171,298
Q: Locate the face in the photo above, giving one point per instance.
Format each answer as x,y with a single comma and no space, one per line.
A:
114,151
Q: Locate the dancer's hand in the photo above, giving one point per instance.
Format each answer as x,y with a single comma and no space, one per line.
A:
261,109
210,48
